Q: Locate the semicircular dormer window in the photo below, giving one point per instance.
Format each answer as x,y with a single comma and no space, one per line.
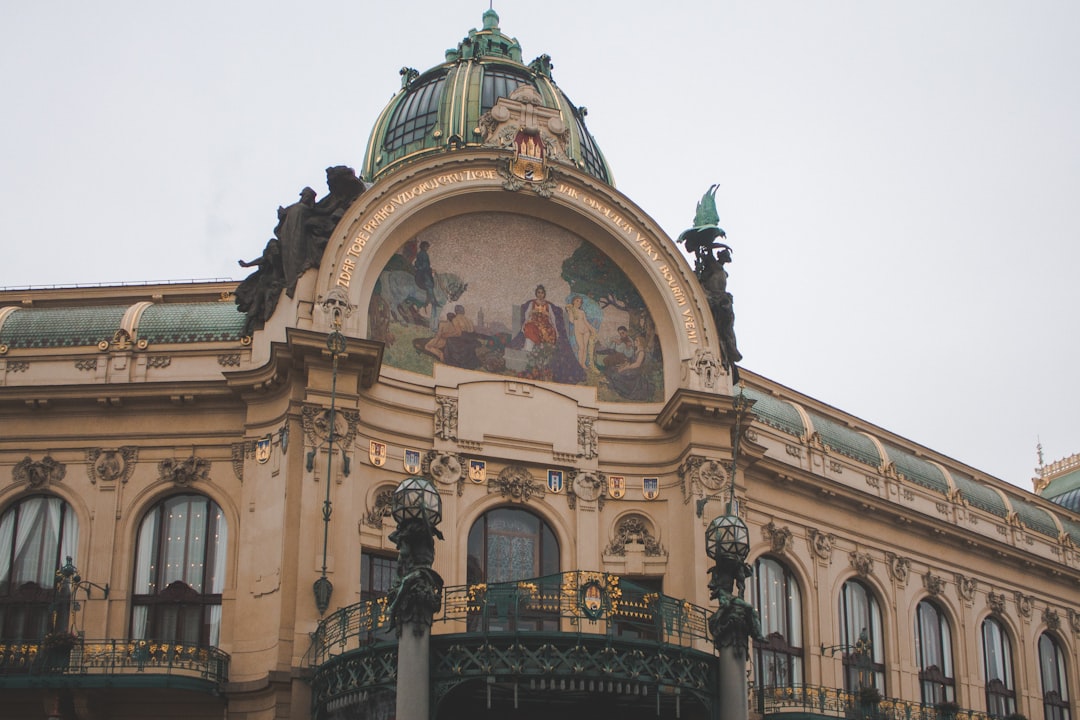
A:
499,83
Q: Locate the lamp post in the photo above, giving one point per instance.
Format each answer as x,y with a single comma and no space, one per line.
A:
416,594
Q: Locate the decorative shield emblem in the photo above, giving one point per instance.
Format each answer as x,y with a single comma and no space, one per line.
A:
262,449
528,161
478,471
412,461
650,488
555,481
377,453
592,599
616,486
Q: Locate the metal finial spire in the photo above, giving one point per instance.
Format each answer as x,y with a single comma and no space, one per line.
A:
1038,449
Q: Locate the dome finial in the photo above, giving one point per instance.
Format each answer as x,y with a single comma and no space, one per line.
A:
491,19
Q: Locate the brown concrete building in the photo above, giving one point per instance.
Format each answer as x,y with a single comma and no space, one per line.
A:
529,340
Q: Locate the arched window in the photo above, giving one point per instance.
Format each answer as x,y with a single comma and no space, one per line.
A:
997,669
779,657
860,635
933,652
180,572
507,545
1055,685
37,534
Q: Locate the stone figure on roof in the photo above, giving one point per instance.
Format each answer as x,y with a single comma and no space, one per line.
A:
710,257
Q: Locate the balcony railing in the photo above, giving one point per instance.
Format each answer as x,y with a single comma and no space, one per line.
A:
832,702
143,660
576,601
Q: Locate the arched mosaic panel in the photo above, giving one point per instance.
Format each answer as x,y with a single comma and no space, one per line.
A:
516,296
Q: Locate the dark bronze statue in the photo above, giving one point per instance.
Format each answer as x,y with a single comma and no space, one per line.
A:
416,594
300,237
710,257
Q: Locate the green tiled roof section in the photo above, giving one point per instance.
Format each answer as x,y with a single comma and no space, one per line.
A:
190,323
980,496
918,470
1062,485
846,441
61,327
776,413
1034,517
1072,528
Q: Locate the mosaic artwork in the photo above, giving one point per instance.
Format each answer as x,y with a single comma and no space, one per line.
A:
518,297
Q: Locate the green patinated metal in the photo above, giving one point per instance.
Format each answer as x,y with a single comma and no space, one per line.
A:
807,702
61,327
440,110
776,413
190,323
1033,517
980,496
845,441
917,470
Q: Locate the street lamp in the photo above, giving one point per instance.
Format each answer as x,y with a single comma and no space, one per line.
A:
416,499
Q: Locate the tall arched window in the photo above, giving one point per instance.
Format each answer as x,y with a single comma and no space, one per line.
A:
180,571
779,657
860,634
997,669
1055,684
507,545
37,534
933,652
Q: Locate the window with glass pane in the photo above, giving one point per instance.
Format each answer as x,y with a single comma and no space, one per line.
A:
779,656
860,623
37,535
507,545
1055,685
180,572
997,669
417,113
377,573
933,652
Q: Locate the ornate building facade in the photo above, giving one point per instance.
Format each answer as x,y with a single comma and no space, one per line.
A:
197,481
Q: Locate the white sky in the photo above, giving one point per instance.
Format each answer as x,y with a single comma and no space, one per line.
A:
899,180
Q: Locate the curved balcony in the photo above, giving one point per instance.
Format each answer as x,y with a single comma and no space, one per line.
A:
567,641
76,662
807,702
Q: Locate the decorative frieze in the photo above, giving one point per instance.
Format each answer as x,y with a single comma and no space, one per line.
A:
779,539
38,473
588,441
158,361
516,484
86,365
229,360
184,472
899,567
110,465
446,417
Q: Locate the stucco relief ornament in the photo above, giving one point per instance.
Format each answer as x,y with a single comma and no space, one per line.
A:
966,586
446,417
701,476
634,530
706,366
862,562
38,473
996,602
779,538
821,544
516,484
111,465
934,584
184,472
384,501
445,469
1074,621
1025,604
899,567
589,486
316,423
588,442
1052,619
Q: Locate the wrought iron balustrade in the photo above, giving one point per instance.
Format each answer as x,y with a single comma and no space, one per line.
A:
577,601
92,658
834,702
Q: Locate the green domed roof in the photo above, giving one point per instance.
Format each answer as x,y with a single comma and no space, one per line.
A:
451,107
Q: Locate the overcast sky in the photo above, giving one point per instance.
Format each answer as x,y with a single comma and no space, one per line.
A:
899,180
